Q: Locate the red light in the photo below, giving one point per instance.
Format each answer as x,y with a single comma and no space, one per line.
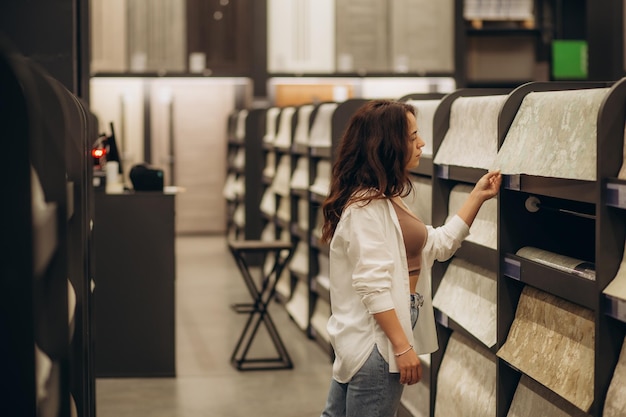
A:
98,153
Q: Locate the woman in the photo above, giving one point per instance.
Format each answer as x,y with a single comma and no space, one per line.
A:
377,250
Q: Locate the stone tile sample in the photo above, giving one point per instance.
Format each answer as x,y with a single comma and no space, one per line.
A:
472,138
467,294
484,229
554,134
552,341
459,392
533,399
615,402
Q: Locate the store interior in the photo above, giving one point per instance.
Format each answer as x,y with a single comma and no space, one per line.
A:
168,160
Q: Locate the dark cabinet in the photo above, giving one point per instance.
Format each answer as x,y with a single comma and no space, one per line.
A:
134,295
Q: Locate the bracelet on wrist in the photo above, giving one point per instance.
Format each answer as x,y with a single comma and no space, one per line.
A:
404,351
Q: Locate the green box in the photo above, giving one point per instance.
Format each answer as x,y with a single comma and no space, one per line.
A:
569,60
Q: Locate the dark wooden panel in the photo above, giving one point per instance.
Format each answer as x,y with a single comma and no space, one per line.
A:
222,30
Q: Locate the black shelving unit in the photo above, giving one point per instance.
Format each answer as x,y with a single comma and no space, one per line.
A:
583,227
45,302
250,142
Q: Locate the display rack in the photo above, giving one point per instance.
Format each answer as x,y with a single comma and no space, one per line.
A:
565,222
45,308
243,190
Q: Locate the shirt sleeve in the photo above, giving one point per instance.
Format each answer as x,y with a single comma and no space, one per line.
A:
369,251
444,240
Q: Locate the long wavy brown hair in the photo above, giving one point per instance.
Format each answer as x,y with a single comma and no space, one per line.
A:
372,157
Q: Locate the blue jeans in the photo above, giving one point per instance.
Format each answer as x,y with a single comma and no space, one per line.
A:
373,391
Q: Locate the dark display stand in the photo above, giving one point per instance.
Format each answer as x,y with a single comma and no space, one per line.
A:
48,129
134,294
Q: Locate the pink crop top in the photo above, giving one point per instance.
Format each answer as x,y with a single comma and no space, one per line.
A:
414,233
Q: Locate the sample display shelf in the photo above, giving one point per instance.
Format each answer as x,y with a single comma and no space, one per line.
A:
464,143
566,216
578,220
244,183
45,283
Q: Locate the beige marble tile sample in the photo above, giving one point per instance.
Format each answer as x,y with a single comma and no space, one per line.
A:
320,317
416,398
321,130
615,402
271,122
283,136
467,294
617,287
300,176
533,399
466,384
300,261
301,134
484,229
424,115
281,181
563,263
472,138
269,170
298,305
420,201
321,183
553,134
552,341
622,172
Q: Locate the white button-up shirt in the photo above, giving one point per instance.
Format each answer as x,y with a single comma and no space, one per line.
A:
369,275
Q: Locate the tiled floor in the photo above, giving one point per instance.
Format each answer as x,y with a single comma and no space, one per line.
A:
207,385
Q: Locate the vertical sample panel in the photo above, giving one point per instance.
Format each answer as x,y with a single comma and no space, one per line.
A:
472,138
424,115
458,391
533,399
615,403
467,294
617,286
552,341
420,201
484,229
416,397
554,134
